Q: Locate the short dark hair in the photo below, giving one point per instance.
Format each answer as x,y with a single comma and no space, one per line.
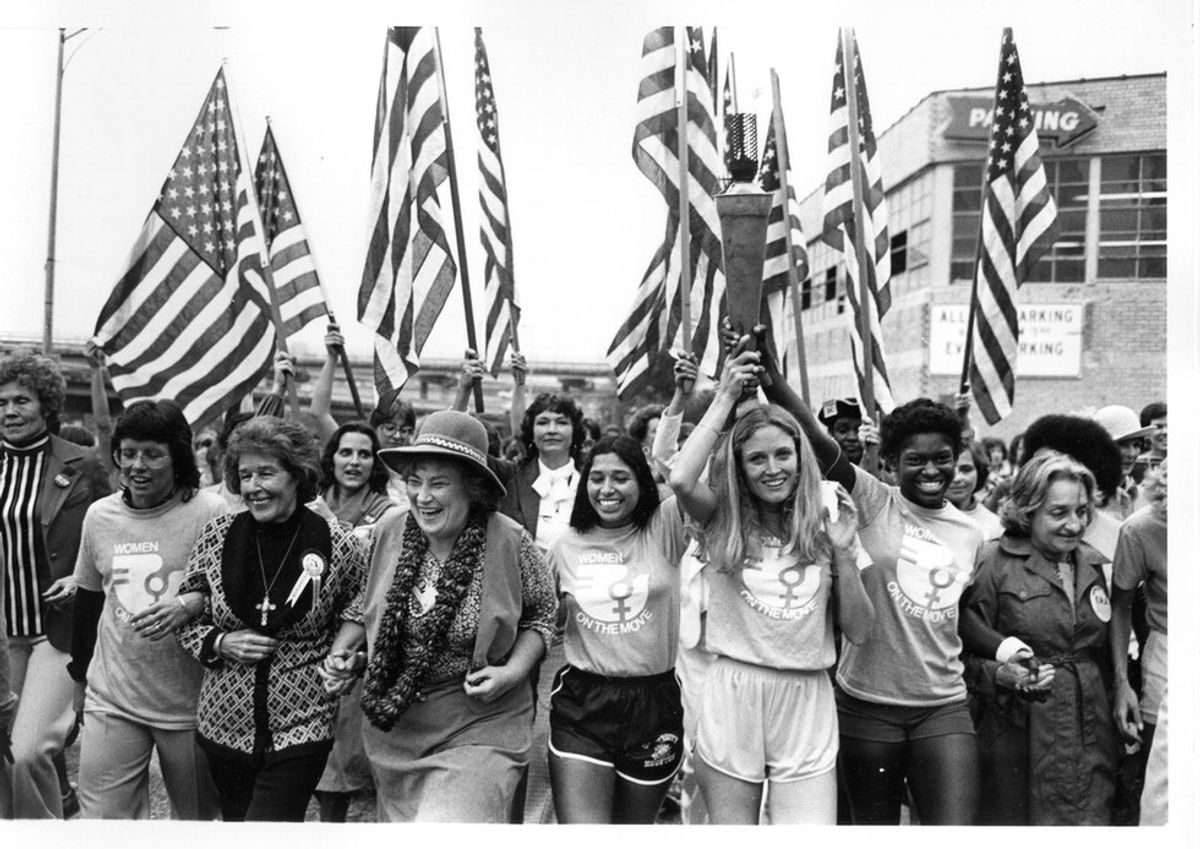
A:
42,376
1153,410
286,441
639,425
233,420
160,421
378,479
990,442
982,461
1084,439
918,416
392,406
629,451
554,403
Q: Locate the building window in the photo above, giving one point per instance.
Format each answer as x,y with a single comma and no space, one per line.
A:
1133,217
900,253
806,293
831,277
1064,261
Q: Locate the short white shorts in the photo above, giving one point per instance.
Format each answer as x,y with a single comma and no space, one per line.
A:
759,724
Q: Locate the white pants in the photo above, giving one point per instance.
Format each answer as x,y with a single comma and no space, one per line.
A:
1154,791
114,770
29,787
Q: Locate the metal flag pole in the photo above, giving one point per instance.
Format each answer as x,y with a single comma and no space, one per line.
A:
685,247
850,58
781,156
260,231
452,174
312,255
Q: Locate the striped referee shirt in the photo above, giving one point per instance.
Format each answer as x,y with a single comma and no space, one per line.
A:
24,552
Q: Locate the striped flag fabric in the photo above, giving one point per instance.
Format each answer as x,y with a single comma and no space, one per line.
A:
292,266
654,322
409,271
776,261
499,289
189,318
1019,223
840,227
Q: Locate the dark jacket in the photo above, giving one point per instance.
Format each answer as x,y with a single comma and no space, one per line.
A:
520,502
72,481
1054,761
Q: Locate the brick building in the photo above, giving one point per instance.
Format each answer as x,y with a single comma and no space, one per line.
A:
1094,327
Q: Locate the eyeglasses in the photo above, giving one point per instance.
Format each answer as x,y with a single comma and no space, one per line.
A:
391,428
154,458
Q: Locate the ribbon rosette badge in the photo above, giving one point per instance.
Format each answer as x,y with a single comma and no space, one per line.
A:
313,565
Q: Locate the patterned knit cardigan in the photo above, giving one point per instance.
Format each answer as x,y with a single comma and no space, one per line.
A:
298,711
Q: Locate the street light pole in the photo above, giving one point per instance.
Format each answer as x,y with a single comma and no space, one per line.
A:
48,322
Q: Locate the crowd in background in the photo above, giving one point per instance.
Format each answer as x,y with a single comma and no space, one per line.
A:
765,613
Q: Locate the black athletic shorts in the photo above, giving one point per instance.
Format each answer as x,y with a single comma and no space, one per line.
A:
634,725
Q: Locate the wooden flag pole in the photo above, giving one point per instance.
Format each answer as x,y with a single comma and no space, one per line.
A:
452,174
312,254
781,156
732,84
685,229
260,231
850,58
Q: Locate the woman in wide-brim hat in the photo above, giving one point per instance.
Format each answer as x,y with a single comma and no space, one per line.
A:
459,607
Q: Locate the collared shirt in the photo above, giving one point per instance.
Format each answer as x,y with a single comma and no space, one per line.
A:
23,550
556,488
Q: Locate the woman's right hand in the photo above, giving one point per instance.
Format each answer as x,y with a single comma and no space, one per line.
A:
1013,675
740,373
473,369
335,342
247,646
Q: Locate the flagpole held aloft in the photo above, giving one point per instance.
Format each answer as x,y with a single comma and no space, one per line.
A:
457,208
685,243
850,54
260,232
312,256
781,153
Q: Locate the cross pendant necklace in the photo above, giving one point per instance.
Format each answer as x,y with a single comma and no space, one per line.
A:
266,606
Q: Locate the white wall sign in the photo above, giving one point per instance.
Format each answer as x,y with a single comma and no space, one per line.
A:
1050,343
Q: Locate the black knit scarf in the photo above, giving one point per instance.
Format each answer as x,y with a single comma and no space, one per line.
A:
395,674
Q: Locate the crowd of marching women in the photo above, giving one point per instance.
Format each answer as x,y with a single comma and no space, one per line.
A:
770,614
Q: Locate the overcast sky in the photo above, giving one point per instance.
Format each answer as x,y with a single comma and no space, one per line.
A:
585,221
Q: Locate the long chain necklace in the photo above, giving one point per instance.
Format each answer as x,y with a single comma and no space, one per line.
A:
266,607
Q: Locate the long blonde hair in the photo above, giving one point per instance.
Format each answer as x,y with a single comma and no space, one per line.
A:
733,533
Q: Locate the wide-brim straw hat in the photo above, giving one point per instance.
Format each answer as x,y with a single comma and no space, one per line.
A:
1121,423
448,433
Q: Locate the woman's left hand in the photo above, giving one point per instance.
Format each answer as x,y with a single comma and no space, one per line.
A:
161,619
841,532
490,682
339,670
61,592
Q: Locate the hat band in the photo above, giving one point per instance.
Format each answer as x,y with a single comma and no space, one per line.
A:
450,445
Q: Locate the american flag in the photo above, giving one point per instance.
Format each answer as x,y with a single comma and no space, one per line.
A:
1019,223
189,319
409,272
292,265
775,256
712,73
654,322
728,107
499,289
840,226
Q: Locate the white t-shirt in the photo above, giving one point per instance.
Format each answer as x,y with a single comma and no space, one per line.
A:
620,590
137,558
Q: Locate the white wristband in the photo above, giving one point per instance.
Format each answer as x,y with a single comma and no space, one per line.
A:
1008,647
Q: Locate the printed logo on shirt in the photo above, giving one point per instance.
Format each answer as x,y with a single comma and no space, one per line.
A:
779,587
611,596
140,579
928,581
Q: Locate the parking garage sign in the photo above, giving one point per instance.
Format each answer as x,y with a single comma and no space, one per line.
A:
1050,339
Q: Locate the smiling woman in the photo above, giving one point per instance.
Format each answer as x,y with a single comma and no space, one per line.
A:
1035,628
459,607
282,582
